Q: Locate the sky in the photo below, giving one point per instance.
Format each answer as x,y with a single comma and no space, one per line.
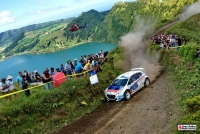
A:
19,13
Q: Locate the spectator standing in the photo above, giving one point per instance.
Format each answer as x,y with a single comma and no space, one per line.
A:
25,86
68,68
28,77
37,76
75,63
46,79
51,72
20,79
11,85
72,66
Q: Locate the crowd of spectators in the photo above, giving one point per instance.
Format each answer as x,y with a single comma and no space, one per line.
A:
169,40
92,62
166,41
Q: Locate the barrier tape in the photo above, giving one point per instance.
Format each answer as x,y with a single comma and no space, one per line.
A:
3,96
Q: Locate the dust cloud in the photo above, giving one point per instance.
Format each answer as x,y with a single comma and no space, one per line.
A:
190,11
135,47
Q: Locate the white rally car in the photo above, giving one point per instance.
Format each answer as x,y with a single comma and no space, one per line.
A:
126,84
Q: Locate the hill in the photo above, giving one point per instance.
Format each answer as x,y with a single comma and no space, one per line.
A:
123,17
183,70
106,26
44,111
92,19
189,29
11,35
56,36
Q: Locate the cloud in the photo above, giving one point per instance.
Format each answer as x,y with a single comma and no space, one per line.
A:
81,0
42,1
48,9
6,17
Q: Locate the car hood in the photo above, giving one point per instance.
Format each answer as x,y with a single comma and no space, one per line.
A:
114,88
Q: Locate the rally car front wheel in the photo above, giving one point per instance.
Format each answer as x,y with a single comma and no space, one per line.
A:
127,95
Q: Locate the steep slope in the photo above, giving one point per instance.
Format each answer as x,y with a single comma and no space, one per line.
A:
122,17
189,29
11,35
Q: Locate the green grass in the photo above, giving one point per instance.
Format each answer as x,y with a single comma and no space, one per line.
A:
186,83
43,111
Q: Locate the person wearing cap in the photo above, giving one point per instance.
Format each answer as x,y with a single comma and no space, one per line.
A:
75,62
11,85
4,87
37,76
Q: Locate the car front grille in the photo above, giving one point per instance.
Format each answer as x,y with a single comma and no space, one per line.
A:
111,96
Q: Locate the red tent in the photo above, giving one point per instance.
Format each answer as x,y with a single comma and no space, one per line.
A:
59,78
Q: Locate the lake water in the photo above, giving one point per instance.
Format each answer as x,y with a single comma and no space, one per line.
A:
31,62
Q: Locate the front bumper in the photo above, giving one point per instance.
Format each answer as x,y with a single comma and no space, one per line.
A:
114,97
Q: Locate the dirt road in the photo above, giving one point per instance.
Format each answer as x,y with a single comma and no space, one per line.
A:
145,113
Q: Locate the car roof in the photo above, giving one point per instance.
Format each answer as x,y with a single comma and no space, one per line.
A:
127,74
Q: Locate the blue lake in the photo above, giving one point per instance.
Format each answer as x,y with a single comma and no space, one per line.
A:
31,62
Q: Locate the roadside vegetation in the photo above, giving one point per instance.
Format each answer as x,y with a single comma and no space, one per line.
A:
183,70
43,111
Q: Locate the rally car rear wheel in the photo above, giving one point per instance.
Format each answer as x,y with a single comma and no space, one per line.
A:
147,82
127,95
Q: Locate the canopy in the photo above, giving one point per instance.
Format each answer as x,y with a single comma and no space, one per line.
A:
59,78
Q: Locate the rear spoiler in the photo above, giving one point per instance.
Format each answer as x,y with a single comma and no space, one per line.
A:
134,69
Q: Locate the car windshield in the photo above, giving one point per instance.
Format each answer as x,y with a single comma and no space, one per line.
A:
120,82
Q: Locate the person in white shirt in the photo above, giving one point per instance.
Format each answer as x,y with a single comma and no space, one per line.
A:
11,85
4,87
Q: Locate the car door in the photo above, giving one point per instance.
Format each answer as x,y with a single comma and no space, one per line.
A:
130,84
140,80
135,85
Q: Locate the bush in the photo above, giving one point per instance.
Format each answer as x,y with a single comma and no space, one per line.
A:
193,104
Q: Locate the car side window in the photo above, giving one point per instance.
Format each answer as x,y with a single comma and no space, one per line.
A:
132,79
135,77
139,74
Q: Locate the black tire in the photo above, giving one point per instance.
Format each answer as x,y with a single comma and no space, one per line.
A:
127,95
106,100
146,82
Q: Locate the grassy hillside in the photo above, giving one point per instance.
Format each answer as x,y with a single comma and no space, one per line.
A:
184,72
106,26
11,35
190,29
55,37
122,17
47,39
44,111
